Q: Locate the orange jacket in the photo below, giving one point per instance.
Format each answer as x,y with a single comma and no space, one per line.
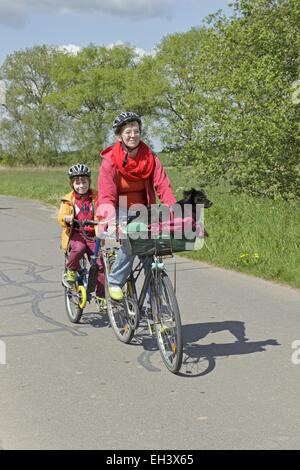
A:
67,207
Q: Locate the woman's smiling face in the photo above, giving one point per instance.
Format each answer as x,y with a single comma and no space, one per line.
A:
130,135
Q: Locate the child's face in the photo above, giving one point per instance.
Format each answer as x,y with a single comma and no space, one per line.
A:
81,184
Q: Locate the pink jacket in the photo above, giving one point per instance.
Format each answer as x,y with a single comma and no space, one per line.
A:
158,184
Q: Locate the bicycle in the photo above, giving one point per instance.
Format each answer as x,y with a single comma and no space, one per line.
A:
83,290
161,312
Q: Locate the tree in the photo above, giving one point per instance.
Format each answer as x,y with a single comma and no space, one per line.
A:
186,99
221,97
223,94
31,129
90,88
260,62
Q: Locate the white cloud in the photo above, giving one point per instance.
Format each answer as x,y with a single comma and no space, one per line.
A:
73,49
14,13
70,49
139,51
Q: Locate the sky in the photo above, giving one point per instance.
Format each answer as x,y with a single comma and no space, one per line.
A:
141,23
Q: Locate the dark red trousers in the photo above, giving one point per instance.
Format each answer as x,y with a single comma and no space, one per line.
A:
78,246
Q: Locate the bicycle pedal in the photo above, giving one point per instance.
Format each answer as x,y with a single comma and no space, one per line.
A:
164,328
116,302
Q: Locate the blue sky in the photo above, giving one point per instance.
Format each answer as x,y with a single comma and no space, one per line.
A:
142,23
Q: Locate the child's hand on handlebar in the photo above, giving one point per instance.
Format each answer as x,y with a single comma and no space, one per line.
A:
69,219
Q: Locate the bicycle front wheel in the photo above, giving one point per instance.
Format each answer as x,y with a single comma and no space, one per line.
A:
168,324
75,301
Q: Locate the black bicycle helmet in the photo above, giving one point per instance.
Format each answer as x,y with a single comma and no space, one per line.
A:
79,170
125,117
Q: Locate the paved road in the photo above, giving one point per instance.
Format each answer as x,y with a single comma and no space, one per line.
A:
68,386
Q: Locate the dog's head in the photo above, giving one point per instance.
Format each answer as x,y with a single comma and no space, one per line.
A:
196,196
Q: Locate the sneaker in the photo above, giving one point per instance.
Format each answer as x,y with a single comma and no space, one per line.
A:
101,302
69,278
116,292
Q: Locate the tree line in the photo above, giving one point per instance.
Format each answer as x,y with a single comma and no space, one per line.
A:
222,97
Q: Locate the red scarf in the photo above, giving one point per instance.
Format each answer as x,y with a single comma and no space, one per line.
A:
136,168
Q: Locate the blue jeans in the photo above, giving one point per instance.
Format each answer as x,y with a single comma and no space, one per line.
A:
122,267
123,264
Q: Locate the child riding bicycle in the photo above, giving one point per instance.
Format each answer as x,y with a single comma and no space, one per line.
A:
78,206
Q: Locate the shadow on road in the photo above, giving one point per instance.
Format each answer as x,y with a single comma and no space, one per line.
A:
96,320
200,359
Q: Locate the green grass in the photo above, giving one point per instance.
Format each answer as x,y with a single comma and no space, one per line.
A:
255,236
251,235
44,184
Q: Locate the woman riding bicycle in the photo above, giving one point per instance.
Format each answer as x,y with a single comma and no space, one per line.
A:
130,174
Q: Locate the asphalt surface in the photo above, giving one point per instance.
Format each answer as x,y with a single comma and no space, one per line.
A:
66,386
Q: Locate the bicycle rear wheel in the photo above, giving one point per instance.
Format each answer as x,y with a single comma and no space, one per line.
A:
168,325
119,313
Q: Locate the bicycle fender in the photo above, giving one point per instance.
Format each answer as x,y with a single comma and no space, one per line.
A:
92,280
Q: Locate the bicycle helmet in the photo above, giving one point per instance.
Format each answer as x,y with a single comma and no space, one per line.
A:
125,117
79,170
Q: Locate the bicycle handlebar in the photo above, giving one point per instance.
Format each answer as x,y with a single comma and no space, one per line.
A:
84,223
77,223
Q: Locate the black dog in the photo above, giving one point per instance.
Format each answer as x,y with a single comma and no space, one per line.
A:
194,197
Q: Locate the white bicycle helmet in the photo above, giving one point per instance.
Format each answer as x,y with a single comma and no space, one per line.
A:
79,170
125,117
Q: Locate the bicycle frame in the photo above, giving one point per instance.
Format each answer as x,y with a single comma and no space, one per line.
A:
153,271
